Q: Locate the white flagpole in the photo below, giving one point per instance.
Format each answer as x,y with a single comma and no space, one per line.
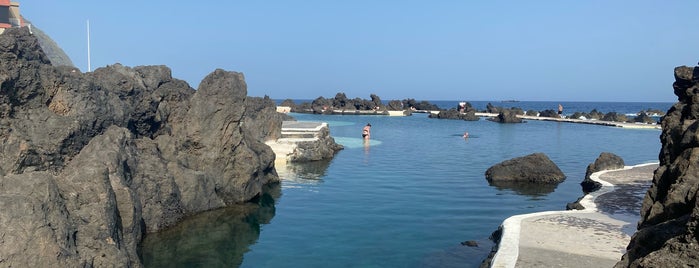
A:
89,69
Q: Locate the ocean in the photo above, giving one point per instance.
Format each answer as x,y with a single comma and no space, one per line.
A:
408,198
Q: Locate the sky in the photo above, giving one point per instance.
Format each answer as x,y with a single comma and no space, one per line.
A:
593,50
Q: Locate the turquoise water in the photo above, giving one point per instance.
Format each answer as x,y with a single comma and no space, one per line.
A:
407,199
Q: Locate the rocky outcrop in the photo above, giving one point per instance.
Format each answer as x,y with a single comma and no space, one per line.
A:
549,113
468,115
91,162
667,233
614,117
506,116
340,104
533,168
420,105
643,117
323,147
605,161
304,142
262,120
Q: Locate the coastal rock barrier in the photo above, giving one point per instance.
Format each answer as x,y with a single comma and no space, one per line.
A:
667,233
92,162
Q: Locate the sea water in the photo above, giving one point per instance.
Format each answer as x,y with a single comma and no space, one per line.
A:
408,197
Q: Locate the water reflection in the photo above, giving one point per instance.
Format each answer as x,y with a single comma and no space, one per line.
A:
216,238
306,172
526,188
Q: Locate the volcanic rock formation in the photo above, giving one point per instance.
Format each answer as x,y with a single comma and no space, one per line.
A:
605,161
667,233
534,168
90,162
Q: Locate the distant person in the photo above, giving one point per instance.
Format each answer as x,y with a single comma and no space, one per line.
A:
366,131
560,110
465,135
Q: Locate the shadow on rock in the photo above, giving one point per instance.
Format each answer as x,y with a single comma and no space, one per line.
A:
216,238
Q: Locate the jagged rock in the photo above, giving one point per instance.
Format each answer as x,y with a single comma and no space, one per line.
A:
91,162
395,105
667,233
605,161
469,115
534,168
644,118
594,114
421,105
323,148
322,106
490,108
341,101
376,101
341,104
614,117
288,103
549,113
507,116
262,120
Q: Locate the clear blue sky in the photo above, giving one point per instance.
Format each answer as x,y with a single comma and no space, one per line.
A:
427,50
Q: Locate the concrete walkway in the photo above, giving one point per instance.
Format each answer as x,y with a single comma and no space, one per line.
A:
581,121
294,132
594,237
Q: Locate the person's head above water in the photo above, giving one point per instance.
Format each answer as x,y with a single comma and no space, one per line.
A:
368,124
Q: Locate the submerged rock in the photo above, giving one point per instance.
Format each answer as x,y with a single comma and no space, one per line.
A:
469,243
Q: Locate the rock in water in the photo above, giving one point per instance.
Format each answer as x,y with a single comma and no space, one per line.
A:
506,116
605,161
534,168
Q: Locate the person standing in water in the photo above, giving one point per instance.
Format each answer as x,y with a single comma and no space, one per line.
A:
366,132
